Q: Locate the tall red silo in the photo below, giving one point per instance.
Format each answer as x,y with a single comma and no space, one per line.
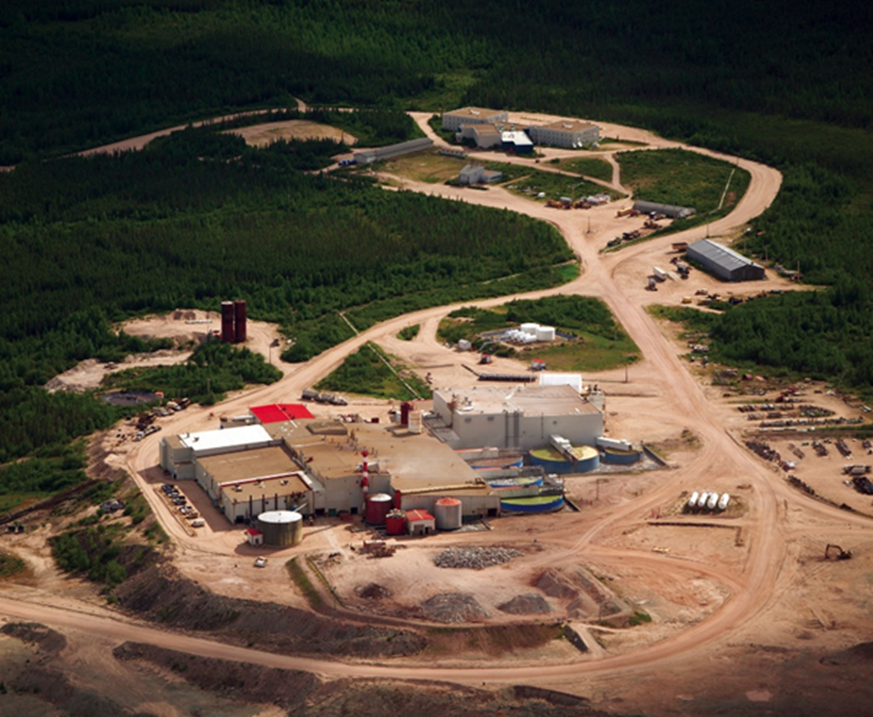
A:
405,410
378,507
227,332
239,310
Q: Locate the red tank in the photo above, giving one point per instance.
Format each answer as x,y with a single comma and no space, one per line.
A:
405,410
395,523
378,507
227,331
239,312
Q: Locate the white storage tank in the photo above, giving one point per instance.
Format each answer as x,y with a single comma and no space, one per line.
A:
692,501
713,501
530,329
546,333
701,501
447,512
723,501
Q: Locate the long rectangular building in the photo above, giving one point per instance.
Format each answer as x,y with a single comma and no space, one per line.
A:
566,133
453,120
724,262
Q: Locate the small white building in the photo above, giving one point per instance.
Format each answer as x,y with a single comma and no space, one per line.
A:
477,174
572,134
420,522
453,120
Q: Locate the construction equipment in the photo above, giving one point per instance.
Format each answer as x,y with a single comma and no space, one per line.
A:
486,358
840,554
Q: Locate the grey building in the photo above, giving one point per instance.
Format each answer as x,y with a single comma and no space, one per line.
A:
452,121
566,133
668,210
367,156
725,263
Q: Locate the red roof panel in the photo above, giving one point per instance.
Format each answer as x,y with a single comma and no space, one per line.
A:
277,412
413,516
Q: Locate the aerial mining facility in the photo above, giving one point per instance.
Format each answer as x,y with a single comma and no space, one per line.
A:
481,452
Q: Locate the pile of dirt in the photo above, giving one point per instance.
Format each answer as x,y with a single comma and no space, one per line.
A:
373,591
240,681
529,604
453,608
475,558
859,654
50,643
583,594
159,593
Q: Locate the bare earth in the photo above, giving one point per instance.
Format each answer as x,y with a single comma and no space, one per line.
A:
263,134
743,606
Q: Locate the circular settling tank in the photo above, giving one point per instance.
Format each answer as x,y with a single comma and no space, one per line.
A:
378,507
614,455
281,528
554,462
534,504
447,512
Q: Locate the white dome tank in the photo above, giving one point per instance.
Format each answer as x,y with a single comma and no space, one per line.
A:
692,501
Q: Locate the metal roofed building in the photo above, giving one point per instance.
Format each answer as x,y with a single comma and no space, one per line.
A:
476,174
517,140
724,262
566,133
519,417
453,120
484,135
668,210
277,412
178,454
367,156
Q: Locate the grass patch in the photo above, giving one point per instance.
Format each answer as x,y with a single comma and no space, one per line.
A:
638,618
554,185
409,333
372,372
589,166
10,565
430,167
304,586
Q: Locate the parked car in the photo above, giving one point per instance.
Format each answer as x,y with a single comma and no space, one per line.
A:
260,562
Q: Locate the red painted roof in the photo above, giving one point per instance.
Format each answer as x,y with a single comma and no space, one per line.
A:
253,531
276,412
414,516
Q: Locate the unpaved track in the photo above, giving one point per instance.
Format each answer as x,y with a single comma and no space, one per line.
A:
721,460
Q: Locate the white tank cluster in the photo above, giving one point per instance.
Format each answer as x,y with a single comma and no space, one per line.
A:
708,501
529,333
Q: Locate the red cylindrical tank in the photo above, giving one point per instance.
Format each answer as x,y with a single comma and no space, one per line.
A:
227,331
405,410
395,523
239,311
378,507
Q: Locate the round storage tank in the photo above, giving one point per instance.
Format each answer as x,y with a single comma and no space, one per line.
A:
616,455
546,333
447,512
529,328
395,522
554,462
281,528
378,507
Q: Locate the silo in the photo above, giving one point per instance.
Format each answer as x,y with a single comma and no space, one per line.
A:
227,332
239,316
395,522
405,410
281,528
447,512
529,328
378,506
545,333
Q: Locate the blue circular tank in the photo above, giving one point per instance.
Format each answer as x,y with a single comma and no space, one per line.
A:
554,462
615,456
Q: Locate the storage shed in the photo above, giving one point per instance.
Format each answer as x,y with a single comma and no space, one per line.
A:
420,522
725,263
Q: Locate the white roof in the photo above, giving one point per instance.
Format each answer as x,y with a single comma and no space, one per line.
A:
550,378
280,516
516,137
226,439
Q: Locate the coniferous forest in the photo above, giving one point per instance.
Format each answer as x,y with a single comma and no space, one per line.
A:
198,216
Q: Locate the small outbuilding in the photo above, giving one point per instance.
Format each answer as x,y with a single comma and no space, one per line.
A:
420,522
724,262
254,537
476,174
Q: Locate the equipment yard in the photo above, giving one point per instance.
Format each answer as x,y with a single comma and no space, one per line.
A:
626,597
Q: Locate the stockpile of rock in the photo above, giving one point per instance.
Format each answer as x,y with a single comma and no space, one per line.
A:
475,558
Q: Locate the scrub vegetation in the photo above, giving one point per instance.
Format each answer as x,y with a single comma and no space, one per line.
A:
372,372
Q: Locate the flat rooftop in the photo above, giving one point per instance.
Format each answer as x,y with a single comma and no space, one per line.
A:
477,112
283,485
530,400
568,125
228,439
265,462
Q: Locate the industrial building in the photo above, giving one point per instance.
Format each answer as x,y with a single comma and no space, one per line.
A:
519,417
572,134
516,141
485,136
477,174
452,121
725,263
317,467
668,210
368,156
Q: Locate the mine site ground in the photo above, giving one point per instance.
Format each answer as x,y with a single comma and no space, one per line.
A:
745,613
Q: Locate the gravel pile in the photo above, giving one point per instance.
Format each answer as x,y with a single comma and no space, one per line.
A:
475,558
453,608
529,604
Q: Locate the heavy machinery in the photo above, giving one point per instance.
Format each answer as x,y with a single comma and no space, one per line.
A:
839,555
486,358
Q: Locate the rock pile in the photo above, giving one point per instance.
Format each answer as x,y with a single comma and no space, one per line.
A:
475,558
453,608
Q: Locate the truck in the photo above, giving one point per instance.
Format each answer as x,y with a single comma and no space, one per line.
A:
309,395
659,273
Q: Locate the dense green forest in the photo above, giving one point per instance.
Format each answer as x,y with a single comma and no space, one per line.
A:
199,217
